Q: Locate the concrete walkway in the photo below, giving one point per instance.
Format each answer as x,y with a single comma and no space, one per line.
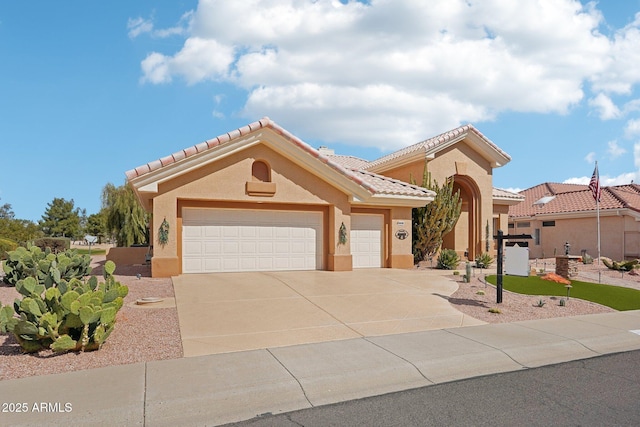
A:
222,388
227,312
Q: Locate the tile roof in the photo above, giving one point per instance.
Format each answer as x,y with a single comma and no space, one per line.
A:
390,186
505,194
350,162
432,144
574,198
375,184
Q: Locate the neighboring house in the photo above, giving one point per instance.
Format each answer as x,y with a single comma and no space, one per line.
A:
558,213
258,198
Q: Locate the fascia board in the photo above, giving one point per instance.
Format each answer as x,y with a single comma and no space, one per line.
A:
394,200
149,182
507,201
401,161
495,158
586,214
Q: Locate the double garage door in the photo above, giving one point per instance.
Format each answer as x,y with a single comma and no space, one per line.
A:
216,240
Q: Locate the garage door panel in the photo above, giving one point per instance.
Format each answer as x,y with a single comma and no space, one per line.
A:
366,240
236,240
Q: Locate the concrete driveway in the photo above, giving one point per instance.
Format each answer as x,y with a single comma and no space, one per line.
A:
227,312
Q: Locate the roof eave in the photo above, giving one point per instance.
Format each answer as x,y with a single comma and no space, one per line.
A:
506,201
394,200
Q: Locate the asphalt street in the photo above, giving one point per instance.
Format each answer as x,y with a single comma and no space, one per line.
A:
591,392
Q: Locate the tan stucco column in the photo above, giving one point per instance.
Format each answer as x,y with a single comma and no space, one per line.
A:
400,239
166,261
339,254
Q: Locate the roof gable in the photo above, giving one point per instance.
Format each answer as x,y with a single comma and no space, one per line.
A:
146,178
429,147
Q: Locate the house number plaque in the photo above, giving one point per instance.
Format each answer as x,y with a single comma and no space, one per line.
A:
402,234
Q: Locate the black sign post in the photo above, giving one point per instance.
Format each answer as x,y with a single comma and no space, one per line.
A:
501,237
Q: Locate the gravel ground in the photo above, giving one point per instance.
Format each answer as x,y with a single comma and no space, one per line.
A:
146,334
141,334
515,307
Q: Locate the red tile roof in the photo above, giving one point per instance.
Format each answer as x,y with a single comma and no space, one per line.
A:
375,184
573,198
350,162
433,143
392,186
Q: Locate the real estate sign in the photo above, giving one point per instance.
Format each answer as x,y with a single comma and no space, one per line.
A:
516,261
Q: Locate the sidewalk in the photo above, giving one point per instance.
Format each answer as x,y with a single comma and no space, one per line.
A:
222,388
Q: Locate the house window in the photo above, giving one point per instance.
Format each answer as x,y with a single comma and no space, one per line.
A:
536,236
512,225
260,171
548,223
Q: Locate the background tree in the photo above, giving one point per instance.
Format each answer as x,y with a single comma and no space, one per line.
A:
126,220
97,225
437,218
61,219
15,230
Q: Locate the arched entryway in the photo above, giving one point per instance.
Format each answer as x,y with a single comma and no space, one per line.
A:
465,238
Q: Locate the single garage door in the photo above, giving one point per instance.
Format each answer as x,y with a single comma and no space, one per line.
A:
366,240
217,240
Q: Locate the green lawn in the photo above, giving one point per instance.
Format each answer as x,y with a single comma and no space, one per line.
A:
616,297
83,251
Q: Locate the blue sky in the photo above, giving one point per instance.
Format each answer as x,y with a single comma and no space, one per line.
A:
89,90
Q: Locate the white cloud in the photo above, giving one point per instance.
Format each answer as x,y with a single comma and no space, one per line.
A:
605,106
138,26
632,129
615,150
513,189
606,180
590,158
391,72
199,60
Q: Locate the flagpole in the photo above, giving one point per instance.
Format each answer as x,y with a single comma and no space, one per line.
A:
598,220
594,186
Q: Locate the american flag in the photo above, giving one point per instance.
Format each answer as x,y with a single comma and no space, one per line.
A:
594,184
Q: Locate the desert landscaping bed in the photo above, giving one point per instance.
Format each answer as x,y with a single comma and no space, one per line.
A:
142,333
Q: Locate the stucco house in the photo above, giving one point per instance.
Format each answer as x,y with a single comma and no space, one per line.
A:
558,213
259,198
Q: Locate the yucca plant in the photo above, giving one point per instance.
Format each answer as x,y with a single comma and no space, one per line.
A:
448,259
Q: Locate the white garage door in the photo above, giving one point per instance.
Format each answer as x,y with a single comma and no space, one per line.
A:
366,240
241,240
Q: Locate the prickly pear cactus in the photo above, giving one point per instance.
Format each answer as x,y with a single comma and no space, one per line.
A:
46,267
75,315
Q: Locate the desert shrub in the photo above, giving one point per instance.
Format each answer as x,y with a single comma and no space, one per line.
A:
6,245
44,266
587,259
56,244
65,316
484,260
620,265
448,259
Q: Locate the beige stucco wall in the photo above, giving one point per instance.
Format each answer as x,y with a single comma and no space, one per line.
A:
471,171
617,236
127,255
